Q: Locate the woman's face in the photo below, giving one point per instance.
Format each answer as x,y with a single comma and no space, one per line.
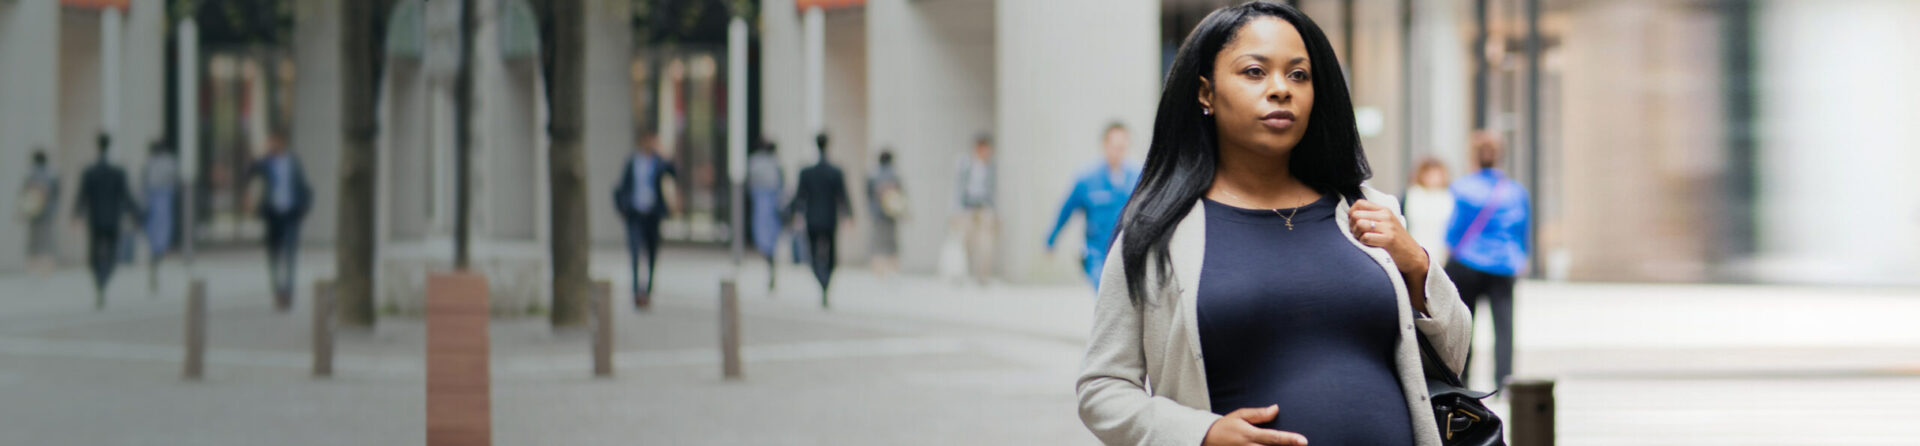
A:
1433,177
1261,89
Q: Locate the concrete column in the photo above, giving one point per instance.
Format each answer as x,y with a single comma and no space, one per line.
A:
111,23
316,115
29,83
1440,110
607,118
737,131
187,136
815,32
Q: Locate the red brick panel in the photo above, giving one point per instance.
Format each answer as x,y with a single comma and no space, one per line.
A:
458,405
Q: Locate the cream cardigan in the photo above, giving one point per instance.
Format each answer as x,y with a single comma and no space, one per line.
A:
1143,381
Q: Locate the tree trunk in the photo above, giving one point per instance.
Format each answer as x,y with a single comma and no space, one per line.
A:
353,246
563,45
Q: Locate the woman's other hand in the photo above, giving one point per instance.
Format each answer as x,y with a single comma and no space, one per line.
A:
1376,226
1236,429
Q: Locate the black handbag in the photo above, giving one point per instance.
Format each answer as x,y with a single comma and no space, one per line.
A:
1457,410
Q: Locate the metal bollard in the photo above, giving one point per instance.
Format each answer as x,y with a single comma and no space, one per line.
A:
1532,407
196,329
602,328
323,302
729,329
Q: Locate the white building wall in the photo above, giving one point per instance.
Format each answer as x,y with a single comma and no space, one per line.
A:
1838,200
29,83
1058,82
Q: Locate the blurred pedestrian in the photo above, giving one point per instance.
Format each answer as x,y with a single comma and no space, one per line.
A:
642,201
1099,193
35,205
1488,234
821,200
765,181
1264,294
1429,207
160,184
283,206
979,225
105,202
887,204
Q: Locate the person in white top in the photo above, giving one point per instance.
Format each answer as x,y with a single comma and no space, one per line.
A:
1429,207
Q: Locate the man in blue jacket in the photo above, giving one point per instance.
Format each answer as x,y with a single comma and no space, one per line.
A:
642,203
1100,191
1488,236
283,208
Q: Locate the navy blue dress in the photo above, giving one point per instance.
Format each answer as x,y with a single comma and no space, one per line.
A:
1301,318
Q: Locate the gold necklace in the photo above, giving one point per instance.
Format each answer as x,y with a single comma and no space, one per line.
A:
1288,216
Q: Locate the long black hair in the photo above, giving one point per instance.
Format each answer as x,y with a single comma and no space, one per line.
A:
1181,158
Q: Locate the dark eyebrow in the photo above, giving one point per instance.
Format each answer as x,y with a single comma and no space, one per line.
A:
1264,60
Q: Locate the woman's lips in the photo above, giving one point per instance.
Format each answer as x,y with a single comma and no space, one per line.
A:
1278,120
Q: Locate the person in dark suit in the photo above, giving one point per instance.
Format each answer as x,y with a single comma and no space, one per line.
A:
642,202
821,198
283,206
105,200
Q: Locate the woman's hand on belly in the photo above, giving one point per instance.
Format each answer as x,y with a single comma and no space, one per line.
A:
1236,429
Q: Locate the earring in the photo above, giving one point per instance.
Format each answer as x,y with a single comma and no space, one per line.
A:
1206,111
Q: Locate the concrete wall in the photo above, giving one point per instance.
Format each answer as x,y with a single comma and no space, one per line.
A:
930,89
406,159
1058,82
29,83
513,207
